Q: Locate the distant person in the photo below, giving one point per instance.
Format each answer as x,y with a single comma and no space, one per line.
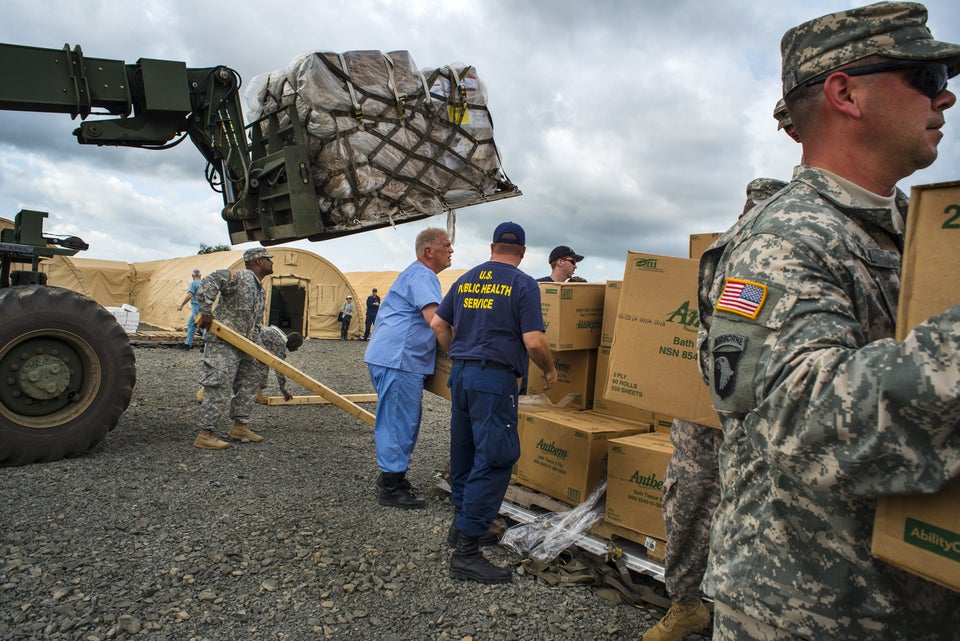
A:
345,316
230,377
373,306
278,343
191,297
823,411
491,324
563,262
400,356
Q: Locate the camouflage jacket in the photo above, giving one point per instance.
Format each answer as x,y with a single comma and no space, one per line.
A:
822,411
274,340
241,301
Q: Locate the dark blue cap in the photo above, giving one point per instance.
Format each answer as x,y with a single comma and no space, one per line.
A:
510,233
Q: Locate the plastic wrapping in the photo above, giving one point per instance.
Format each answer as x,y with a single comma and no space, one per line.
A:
549,534
386,140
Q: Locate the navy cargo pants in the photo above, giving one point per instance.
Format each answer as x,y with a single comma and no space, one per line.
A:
484,443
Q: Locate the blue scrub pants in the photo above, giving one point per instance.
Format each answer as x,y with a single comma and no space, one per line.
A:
397,425
484,444
192,324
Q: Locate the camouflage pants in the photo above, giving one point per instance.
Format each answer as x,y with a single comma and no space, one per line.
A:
230,379
733,625
691,491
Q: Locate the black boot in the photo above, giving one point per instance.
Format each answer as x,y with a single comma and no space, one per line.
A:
396,491
469,564
453,534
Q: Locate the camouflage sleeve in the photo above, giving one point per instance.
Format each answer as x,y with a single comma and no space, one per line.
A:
210,287
825,403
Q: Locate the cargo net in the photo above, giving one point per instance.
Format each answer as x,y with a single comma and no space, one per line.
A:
387,142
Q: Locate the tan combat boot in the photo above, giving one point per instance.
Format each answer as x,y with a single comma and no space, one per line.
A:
207,441
241,431
679,621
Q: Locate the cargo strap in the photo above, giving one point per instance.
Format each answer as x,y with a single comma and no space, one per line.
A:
611,580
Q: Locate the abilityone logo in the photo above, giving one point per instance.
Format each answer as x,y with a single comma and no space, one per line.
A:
932,538
552,449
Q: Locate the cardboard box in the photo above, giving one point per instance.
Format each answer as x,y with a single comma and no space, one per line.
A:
564,454
437,382
653,360
930,280
611,298
613,408
921,533
635,469
572,314
576,376
699,243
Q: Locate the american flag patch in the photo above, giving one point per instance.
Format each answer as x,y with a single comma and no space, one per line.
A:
742,297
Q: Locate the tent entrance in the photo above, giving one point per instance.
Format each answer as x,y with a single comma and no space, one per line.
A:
287,307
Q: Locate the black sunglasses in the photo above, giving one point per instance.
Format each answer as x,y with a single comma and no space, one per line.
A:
929,78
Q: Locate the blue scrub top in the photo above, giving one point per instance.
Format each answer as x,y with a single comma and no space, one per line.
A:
401,338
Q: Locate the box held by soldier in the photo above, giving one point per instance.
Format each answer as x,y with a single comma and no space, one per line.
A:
921,533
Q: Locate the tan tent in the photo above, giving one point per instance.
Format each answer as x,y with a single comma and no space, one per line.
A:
364,282
108,282
303,294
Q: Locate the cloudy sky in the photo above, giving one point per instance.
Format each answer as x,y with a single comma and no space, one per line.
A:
627,124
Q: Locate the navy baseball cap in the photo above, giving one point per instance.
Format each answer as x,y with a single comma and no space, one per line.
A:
509,233
564,252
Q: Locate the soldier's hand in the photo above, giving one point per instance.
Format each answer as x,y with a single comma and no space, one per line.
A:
286,395
205,321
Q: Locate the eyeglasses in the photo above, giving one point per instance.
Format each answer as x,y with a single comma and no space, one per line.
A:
929,78
568,260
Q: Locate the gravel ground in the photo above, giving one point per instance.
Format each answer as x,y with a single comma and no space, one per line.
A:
146,537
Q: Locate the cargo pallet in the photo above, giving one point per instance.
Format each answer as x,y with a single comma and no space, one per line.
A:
523,505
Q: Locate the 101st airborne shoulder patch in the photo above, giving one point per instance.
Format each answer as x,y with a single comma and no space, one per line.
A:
742,297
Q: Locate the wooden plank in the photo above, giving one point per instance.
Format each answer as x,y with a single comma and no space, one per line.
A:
317,400
264,356
528,498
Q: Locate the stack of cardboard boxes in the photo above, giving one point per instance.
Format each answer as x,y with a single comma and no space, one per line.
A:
626,357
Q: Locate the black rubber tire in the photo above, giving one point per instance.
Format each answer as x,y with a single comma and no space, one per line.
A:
85,367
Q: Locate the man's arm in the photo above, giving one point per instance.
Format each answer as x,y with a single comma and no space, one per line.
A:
185,300
539,351
443,331
429,312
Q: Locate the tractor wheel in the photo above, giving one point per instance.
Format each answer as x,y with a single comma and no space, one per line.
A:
66,374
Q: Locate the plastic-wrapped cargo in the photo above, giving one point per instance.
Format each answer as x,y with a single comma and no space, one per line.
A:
387,141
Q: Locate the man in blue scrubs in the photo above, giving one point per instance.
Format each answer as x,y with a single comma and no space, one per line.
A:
491,323
401,354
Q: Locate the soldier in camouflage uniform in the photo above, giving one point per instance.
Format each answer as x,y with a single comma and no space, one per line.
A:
230,377
275,341
691,491
822,410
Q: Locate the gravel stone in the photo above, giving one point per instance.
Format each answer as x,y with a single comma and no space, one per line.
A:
146,537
